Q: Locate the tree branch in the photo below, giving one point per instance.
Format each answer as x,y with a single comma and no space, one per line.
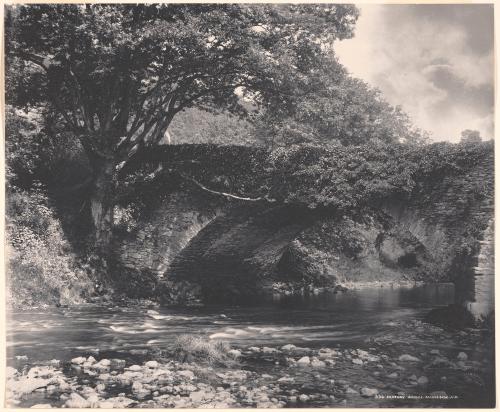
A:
43,62
227,195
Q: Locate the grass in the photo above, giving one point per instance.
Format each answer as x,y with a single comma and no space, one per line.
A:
189,348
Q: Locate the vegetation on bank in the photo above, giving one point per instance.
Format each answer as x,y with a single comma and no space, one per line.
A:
42,267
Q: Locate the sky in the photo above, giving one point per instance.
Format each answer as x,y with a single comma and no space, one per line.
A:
436,61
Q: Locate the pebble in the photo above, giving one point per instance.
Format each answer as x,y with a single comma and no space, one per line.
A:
368,392
10,372
104,362
93,399
134,368
286,379
393,375
304,361
408,358
78,361
136,386
42,406
288,347
357,361
186,373
234,353
318,364
423,380
118,363
462,356
152,364
76,401
303,398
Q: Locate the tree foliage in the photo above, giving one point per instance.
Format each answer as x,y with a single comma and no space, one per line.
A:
35,150
470,136
118,74
347,179
344,111
199,126
115,76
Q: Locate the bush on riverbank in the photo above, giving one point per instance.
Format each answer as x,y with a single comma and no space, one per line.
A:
41,265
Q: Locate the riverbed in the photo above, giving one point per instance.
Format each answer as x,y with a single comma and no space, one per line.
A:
366,347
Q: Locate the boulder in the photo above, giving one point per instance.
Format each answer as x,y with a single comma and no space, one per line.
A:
286,379
408,358
152,364
368,392
186,373
76,401
234,353
78,361
10,372
423,380
304,361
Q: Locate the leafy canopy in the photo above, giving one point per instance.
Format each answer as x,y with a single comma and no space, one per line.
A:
345,111
116,75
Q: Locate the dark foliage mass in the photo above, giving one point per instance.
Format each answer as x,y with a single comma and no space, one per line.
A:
346,179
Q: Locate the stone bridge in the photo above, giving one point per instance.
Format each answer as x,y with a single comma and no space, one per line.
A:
229,249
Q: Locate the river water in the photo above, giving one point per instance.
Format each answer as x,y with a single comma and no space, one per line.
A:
355,319
324,319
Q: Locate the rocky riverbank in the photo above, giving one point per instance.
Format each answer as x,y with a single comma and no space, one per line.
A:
417,365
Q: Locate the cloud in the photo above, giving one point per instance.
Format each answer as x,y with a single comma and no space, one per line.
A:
435,61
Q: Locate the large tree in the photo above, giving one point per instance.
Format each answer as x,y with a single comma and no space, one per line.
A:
116,75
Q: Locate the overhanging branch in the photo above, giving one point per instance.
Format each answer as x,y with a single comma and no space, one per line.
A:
227,195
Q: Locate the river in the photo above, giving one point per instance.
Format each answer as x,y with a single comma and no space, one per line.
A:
378,319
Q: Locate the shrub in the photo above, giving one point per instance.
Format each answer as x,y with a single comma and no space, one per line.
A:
41,268
198,348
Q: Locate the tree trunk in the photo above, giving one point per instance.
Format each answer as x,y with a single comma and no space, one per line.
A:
101,208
